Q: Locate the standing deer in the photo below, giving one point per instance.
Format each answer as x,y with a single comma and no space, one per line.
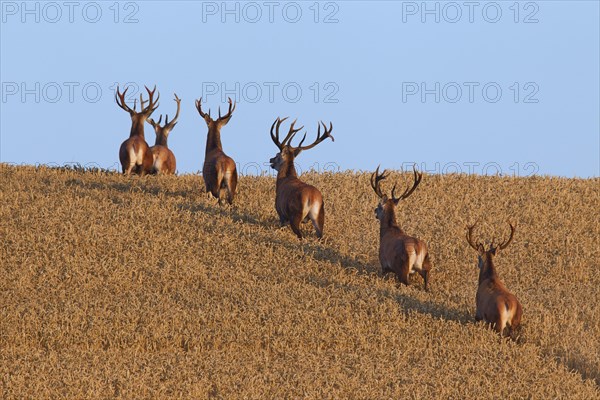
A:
495,304
398,252
164,159
134,153
219,171
296,201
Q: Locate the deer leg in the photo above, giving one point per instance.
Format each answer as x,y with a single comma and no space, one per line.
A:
127,171
318,220
321,221
216,191
283,221
231,183
403,274
478,316
424,272
295,224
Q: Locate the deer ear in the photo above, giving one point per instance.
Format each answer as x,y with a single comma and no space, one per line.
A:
297,151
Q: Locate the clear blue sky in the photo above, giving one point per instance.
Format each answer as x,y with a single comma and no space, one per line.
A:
453,86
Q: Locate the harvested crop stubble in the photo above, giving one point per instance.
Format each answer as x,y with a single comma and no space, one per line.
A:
145,288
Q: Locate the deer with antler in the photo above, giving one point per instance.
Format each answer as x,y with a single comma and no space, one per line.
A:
164,159
219,170
296,201
398,252
494,303
134,153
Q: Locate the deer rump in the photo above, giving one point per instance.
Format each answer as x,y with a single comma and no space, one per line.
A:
296,199
497,306
219,172
135,151
164,160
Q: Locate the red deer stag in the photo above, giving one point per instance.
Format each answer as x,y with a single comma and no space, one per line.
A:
398,252
164,159
296,201
495,304
134,153
219,171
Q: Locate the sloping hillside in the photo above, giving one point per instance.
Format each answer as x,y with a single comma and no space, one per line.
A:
145,288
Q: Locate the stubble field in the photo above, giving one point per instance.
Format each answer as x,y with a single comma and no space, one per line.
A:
115,287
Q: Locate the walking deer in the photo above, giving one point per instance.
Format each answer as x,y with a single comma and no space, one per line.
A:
219,170
398,253
494,303
164,159
296,201
134,153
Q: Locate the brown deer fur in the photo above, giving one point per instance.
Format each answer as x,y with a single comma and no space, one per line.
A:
398,252
134,153
219,170
164,159
296,201
494,303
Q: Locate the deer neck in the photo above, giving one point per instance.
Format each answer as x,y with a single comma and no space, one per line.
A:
287,170
388,221
137,128
488,271
161,139
213,140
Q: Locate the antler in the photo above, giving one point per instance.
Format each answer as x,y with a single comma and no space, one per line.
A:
120,99
225,118
154,123
503,245
171,124
417,179
168,125
228,115
275,136
376,178
152,104
319,139
477,246
199,108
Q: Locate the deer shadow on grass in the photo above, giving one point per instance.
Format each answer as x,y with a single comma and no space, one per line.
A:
135,184
407,303
322,251
226,211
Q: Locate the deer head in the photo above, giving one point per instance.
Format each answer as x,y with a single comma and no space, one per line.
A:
287,153
221,120
484,260
162,132
388,204
138,118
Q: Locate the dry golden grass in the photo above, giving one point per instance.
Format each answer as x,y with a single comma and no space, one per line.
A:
145,288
